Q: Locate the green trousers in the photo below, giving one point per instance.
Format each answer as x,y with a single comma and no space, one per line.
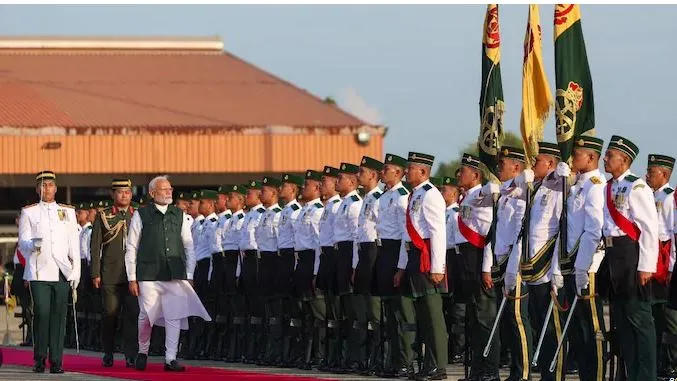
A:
427,309
585,332
519,332
366,328
637,337
669,345
50,303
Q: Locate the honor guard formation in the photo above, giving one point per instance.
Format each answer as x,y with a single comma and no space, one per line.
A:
353,270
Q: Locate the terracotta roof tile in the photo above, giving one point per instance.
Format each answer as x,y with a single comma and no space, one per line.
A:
85,89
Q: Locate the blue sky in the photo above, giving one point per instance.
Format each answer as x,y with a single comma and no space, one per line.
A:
416,68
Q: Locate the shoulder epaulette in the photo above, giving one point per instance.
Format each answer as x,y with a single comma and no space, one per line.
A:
455,209
28,206
260,210
90,227
228,216
631,178
333,202
595,180
427,187
355,197
295,207
240,216
67,206
318,205
402,191
377,195
668,190
213,219
278,210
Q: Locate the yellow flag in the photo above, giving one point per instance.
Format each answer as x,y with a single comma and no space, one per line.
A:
537,98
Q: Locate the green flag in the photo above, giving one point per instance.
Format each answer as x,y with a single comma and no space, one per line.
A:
491,93
574,103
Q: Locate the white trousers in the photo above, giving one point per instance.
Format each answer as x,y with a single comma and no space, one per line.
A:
172,332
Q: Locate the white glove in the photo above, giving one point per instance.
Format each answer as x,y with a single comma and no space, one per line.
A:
493,188
74,283
37,243
557,282
563,169
582,281
528,176
510,282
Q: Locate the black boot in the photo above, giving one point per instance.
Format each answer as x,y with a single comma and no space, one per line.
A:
331,346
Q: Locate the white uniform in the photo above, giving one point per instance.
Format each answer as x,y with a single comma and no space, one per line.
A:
60,250
248,231
267,231
85,239
427,212
288,218
345,221
164,303
476,213
635,201
392,212
366,221
232,230
307,234
665,205
510,214
327,224
223,217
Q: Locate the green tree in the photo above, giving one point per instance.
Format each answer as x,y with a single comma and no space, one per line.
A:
330,101
449,169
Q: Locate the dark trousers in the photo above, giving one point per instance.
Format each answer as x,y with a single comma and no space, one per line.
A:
481,310
50,303
519,332
120,305
539,301
637,337
427,311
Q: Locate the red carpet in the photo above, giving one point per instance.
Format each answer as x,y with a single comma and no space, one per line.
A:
154,371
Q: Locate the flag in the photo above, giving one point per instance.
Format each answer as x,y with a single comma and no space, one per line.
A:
574,105
536,96
491,93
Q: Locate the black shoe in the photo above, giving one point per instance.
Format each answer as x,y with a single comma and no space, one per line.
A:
456,359
56,369
39,368
107,360
493,377
129,362
174,366
435,374
141,361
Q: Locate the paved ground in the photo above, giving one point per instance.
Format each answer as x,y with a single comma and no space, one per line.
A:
12,373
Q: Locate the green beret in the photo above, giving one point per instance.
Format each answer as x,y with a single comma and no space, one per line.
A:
421,158
103,204
292,179
208,194
656,160
552,149
82,206
241,189
348,168
186,196
624,145
313,175
395,160
330,171
371,163
195,195
271,182
589,142
437,181
471,161
450,181
45,175
121,183
224,189
512,153
253,184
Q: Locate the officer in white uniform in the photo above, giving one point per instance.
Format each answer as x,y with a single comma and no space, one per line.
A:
48,238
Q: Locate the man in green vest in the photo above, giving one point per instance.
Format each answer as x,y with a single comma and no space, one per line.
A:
109,234
160,262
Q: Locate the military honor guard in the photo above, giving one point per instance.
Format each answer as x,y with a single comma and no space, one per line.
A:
249,274
659,170
367,327
510,210
473,285
308,252
285,306
345,235
325,279
390,227
160,263
48,238
424,278
108,273
631,239
266,234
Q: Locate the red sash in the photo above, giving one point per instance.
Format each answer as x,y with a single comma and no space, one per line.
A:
20,257
663,266
422,245
477,240
627,226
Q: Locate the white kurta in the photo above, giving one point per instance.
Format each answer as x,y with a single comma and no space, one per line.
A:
165,300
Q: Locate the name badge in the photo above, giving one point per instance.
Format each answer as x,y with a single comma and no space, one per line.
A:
609,241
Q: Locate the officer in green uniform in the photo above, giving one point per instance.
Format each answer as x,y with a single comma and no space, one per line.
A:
48,237
109,236
423,274
630,233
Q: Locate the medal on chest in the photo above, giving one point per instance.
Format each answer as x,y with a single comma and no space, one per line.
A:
545,198
61,213
620,197
466,211
416,206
